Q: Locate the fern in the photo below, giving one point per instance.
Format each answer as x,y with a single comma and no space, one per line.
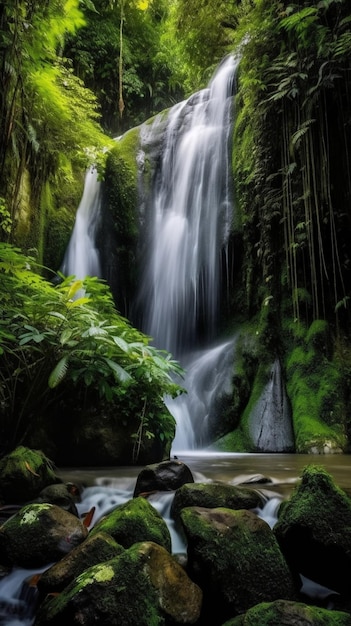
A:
58,373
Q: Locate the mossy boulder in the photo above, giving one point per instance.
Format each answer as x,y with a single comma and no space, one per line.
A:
134,521
314,530
143,586
24,473
95,549
290,614
214,495
39,534
235,558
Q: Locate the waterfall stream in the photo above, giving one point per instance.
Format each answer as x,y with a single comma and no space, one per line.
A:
82,256
188,216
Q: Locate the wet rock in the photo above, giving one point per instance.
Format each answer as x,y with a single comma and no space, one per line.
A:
136,520
235,558
142,586
314,531
164,476
95,549
23,474
289,613
39,534
63,495
214,495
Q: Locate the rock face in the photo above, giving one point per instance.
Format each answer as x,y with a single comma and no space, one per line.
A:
136,520
143,586
39,534
164,476
235,559
314,531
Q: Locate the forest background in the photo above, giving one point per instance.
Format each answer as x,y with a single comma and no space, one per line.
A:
74,75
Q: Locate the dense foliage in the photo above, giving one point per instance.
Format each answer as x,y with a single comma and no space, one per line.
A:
72,74
68,341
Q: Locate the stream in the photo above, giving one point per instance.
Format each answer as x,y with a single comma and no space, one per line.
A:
107,488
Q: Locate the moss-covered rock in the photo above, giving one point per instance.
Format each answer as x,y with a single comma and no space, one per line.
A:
119,234
95,549
314,531
290,614
24,473
39,534
144,586
235,559
315,388
136,520
214,495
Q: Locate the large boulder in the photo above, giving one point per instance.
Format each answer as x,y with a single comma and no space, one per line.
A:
134,521
235,558
95,549
23,474
164,476
314,531
142,586
214,495
39,534
287,613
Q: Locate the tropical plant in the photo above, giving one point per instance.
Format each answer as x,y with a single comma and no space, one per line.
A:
54,339
293,109
45,111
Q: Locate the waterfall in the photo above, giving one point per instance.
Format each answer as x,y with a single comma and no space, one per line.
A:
188,217
187,220
82,256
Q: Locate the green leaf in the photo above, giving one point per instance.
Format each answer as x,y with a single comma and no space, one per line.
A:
58,373
119,371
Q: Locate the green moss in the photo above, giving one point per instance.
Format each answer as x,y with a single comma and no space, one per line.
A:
282,611
136,520
314,388
116,590
318,491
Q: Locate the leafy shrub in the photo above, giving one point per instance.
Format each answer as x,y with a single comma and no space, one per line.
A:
65,339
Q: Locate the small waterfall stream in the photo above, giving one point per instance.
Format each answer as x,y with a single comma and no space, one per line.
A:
82,256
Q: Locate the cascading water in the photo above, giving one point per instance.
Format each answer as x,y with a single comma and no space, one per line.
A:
188,217
82,256
189,214
185,222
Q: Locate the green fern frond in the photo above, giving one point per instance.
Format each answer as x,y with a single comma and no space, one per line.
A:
58,373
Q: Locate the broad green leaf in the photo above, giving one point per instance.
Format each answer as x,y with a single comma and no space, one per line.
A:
120,372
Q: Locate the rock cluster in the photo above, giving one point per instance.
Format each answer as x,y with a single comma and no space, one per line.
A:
238,571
